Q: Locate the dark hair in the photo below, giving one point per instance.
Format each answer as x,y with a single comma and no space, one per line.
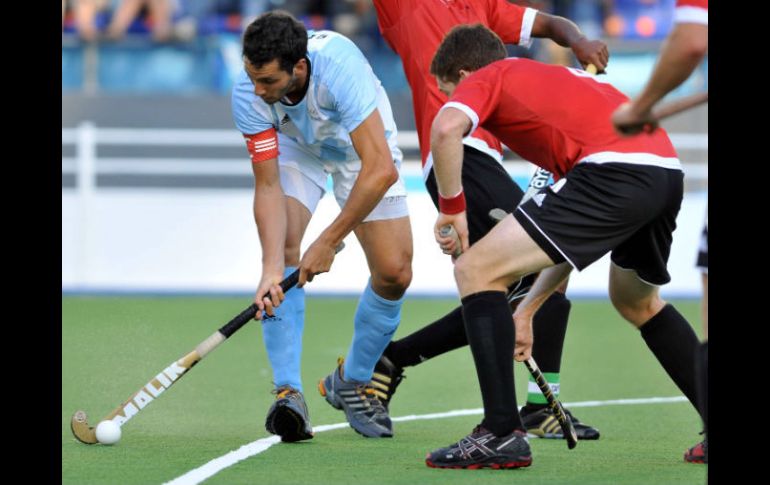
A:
275,35
467,47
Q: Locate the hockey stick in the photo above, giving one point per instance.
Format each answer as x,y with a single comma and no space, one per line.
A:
678,105
663,111
558,410
171,374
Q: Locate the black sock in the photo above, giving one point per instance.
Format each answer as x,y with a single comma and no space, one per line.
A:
549,327
443,335
702,375
673,341
448,333
490,332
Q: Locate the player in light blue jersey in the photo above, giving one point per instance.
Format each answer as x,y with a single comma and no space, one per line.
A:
309,106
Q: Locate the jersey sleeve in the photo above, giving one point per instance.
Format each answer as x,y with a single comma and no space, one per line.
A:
692,11
258,132
353,87
247,119
511,22
476,96
387,13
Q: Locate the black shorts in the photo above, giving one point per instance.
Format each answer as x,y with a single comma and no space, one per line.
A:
703,250
487,186
629,209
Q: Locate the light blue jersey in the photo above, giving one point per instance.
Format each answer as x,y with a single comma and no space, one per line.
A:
343,92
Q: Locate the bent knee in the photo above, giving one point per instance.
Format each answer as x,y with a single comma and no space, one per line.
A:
469,277
462,271
637,312
393,280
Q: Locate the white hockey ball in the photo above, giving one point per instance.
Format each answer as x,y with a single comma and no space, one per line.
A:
108,432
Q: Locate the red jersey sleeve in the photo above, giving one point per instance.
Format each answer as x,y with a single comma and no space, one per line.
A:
262,146
387,13
477,96
692,11
511,22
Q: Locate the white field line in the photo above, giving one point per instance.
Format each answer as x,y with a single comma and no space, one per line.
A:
193,477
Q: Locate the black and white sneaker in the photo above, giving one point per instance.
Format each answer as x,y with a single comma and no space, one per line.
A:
385,379
542,423
482,449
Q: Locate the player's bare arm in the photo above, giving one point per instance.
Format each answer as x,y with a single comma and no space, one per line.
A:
682,51
378,173
270,217
546,283
447,132
567,34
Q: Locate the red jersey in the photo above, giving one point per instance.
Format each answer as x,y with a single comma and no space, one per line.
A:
555,116
415,28
692,11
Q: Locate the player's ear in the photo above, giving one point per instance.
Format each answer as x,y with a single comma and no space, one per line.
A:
301,65
464,74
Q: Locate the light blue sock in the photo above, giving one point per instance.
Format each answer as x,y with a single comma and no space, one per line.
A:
283,337
375,322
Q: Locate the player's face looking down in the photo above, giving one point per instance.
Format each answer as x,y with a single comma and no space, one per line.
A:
446,87
271,83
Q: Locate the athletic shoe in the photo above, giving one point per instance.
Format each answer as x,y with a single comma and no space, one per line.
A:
385,379
482,449
363,409
288,416
698,453
544,424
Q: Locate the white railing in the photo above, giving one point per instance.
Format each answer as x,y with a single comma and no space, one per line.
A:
87,136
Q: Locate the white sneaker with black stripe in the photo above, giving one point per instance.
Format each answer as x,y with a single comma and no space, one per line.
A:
363,409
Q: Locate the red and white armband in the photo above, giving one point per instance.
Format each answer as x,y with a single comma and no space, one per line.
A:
262,146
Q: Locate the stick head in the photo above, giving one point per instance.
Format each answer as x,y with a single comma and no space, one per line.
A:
80,428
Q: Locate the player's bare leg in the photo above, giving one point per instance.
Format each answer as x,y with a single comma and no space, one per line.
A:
668,335
498,259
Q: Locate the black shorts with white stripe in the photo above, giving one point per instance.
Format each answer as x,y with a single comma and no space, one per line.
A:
629,209
487,186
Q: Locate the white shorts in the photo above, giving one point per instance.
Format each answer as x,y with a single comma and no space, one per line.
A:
304,175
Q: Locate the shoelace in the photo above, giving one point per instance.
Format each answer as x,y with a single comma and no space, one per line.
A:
367,393
478,430
282,392
372,400
368,396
